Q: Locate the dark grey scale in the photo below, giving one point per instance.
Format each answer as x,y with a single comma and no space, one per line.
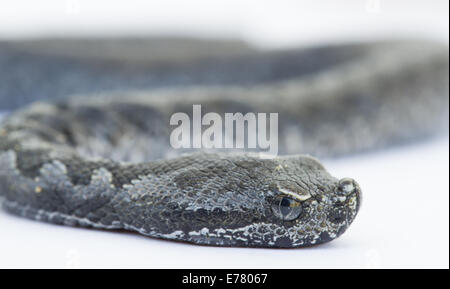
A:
214,219
29,162
145,118
59,123
80,171
98,122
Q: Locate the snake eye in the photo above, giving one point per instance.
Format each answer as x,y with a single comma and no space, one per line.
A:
286,208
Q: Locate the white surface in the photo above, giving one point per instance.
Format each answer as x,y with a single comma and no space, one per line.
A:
267,23
403,222
404,219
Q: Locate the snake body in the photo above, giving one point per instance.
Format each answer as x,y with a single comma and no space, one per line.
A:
102,158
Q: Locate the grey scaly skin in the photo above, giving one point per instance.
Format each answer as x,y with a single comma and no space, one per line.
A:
105,162
226,199
211,199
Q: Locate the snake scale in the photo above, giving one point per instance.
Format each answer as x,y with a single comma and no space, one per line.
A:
87,143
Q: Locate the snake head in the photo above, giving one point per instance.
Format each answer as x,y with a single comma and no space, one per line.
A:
243,200
308,205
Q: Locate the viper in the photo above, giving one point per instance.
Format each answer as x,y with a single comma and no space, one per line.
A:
88,141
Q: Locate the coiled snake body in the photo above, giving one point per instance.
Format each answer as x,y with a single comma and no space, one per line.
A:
103,160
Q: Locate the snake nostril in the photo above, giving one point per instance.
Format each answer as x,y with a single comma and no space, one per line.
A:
345,187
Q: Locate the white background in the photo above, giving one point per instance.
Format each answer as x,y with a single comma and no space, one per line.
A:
404,219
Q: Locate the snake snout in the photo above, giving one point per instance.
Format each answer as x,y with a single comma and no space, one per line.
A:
346,186
348,195
346,202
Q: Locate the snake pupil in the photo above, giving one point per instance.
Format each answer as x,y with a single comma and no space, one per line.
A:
285,206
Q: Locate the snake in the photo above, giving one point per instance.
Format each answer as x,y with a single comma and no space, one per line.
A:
85,141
